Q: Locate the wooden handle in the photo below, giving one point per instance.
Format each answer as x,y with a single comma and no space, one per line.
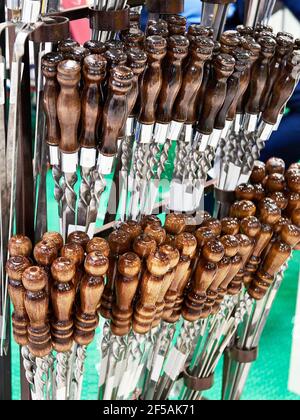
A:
68,105
283,89
230,41
19,245
277,256
212,253
258,173
149,220
115,57
245,192
186,101
175,223
77,54
275,183
157,233
54,237
158,265
119,243
186,243
275,166
242,58
115,109
127,281
91,289
283,49
158,29
172,77
151,83
62,297
223,67
45,252
51,91
176,24
174,257
242,209
214,225
94,72
15,268
80,238
269,213
133,228
230,226
144,245
115,44
95,47
136,60
36,303
74,253
260,74
133,38
98,244
67,45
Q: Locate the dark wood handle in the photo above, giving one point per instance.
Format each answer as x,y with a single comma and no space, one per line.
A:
127,281
283,49
36,300
136,60
186,101
91,290
69,105
172,77
51,91
95,47
156,48
62,297
19,245
260,74
94,72
233,87
283,89
215,95
15,268
133,38
115,109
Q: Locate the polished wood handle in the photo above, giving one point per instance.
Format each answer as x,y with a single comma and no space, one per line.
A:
45,252
133,228
62,298
172,77
260,74
66,46
94,72
136,60
54,237
91,290
36,300
77,54
98,244
151,83
283,49
119,243
95,47
51,91
215,95
242,58
127,280
69,105
115,109
74,253
283,89
230,226
15,268
80,238
19,245
158,265
157,233
242,209
185,109
133,38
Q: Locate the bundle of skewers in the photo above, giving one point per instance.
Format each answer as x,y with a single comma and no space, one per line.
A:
56,290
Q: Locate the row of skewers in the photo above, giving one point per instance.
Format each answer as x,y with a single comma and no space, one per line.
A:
173,299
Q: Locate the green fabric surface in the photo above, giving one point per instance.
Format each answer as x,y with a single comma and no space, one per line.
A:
268,379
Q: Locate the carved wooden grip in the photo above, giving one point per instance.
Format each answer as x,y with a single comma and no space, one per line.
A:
126,285
91,289
172,77
223,67
115,109
35,281
157,266
68,105
156,48
260,74
283,88
94,72
51,91
186,101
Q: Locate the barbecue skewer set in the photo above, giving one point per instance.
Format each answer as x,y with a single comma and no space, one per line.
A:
112,117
